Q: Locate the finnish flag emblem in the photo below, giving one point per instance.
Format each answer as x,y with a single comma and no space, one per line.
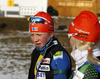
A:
34,29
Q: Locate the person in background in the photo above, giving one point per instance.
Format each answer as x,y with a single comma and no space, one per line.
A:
84,35
49,60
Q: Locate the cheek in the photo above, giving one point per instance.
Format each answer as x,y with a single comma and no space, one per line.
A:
44,40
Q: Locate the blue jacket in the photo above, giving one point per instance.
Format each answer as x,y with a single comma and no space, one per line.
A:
55,64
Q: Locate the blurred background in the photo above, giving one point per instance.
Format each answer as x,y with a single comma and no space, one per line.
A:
15,43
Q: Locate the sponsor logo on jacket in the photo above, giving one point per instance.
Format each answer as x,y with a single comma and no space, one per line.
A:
58,54
44,68
46,60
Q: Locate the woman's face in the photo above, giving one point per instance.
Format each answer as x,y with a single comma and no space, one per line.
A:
40,38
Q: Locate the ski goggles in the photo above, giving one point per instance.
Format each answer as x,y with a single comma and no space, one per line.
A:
75,34
70,35
39,20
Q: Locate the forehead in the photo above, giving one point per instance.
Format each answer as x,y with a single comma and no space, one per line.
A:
38,33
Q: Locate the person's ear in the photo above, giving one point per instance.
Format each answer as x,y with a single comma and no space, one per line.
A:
51,35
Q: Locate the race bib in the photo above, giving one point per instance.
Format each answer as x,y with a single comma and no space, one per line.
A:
78,75
41,75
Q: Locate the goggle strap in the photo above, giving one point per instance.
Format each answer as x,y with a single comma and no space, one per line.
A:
73,34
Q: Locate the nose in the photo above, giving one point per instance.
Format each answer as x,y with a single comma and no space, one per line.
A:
35,39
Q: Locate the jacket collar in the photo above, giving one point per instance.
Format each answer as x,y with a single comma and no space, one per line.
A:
80,56
96,51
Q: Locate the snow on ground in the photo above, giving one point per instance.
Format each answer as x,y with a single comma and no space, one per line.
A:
14,64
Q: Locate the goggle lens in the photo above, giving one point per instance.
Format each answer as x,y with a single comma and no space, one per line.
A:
39,20
36,20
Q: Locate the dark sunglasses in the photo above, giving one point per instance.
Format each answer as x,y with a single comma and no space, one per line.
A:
38,20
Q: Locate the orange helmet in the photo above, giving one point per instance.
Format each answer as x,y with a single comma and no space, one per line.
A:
85,27
41,22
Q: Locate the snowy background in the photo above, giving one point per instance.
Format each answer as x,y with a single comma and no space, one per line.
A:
14,56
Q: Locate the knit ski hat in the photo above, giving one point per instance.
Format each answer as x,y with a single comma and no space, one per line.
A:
42,23
85,27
